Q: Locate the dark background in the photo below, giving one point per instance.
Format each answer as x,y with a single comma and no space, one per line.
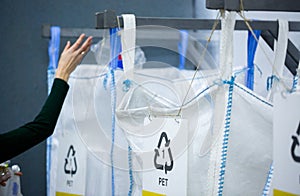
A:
24,61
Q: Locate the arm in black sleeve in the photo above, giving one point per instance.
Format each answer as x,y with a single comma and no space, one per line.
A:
19,140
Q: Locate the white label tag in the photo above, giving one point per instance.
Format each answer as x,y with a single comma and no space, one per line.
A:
165,170
286,144
71,168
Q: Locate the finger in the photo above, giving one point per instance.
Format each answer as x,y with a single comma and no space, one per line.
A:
86,45
78,42
67,46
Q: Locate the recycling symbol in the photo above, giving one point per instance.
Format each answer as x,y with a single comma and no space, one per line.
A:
70,162
295,144
167,167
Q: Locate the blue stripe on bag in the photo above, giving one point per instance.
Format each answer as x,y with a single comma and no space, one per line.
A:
268,181
225,137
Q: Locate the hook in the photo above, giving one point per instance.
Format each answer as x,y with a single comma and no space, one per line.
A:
149,117
177,121
126,85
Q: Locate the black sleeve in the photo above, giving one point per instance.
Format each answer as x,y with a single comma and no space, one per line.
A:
19,140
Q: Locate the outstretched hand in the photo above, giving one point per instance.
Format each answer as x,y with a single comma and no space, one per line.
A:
71,56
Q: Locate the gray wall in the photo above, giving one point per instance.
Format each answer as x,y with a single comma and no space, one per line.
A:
24,61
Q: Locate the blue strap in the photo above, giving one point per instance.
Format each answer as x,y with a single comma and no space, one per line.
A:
53,49
115,49
53,52
115,46
252,45
182,46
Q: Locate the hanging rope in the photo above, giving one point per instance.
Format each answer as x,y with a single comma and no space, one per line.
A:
269,85
200,61
242,15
